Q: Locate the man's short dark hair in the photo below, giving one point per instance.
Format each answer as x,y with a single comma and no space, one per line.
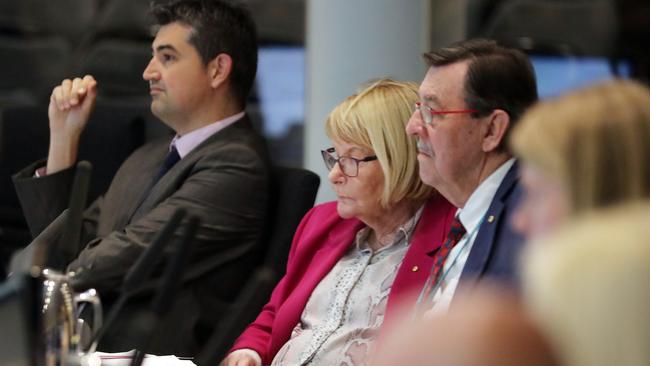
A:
218,26
497,77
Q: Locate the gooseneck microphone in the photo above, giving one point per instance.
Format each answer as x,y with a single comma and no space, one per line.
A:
143,267
171,281
140,271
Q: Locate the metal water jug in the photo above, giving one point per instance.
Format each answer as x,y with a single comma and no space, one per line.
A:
65,333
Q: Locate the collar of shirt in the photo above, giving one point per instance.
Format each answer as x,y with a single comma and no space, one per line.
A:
188,142
479,202
403,233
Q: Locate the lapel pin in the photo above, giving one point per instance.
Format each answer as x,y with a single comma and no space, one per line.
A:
491,218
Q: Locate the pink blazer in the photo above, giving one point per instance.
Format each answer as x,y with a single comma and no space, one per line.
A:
321,239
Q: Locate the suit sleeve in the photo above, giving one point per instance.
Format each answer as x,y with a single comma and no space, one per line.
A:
43,199
257,336
227,190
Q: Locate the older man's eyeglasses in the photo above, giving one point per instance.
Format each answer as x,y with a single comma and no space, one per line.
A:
349,166
428,113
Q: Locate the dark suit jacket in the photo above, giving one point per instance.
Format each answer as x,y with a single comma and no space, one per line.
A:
224,181
495,251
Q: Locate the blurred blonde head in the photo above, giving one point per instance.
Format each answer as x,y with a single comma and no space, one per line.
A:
594,141
375,119
587,285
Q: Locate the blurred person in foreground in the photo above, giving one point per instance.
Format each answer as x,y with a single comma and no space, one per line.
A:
586,150
487,326
352,260
587,286
471,97
204,60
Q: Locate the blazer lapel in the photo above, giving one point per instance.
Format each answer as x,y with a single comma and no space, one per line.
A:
165,185
147,168
428,236
162,188
334,247
485,239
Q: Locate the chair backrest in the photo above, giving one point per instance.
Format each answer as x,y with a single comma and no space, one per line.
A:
118,49
117,65
294,192
36,42
279,21
67,18
30,68
580,27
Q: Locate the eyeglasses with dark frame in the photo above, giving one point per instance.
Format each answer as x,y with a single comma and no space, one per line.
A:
427,116
349,166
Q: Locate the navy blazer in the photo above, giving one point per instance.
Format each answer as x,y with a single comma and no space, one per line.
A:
495,251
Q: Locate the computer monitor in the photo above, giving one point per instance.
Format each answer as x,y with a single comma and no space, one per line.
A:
281,87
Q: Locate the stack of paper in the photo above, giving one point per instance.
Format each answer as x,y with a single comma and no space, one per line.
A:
124,359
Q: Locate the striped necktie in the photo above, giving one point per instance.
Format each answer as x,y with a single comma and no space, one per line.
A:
456,232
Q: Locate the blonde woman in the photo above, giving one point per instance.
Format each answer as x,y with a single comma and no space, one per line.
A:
587,285
586,150
353,259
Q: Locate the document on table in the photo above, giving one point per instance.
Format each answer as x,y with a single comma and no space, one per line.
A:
124,359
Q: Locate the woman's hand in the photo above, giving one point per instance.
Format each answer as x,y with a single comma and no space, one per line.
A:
242,357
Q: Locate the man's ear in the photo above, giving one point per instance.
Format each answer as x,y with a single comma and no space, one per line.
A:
497,124
219,69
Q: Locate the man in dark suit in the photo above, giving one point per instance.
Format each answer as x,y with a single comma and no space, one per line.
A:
204,60
471,96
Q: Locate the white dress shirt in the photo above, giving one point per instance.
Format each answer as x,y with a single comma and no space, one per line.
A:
471,216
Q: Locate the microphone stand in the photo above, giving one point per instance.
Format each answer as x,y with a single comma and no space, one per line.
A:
140,271
171,282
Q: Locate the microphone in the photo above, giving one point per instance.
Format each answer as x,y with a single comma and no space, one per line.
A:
171,282
246,307
68,247
33,258
140,271
143,267
173,274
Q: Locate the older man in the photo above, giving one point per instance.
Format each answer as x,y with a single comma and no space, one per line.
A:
471,96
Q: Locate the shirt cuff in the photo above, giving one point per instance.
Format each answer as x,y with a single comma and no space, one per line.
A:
40,172
250,352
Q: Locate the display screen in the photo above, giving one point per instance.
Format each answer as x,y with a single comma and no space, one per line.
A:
281,88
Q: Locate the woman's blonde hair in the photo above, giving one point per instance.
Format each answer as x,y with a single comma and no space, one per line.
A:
375,119
594,140
587,286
